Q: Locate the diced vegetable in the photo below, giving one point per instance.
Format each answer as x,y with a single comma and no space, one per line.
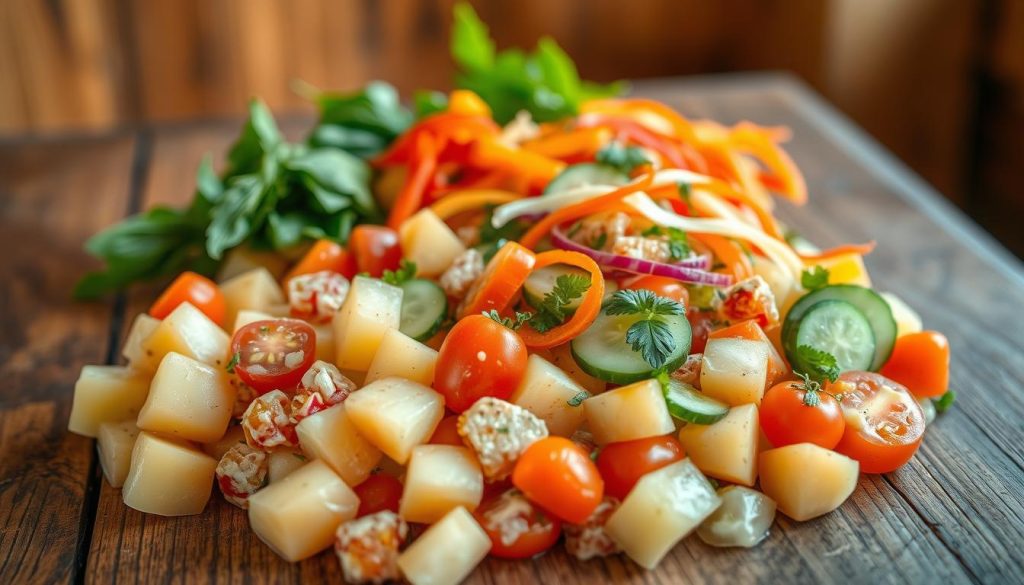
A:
807,481
115,442
395,415
561,356
325,349
430,243
372,307
256,290
844,269
142,327
231,437
400,355
188,399
749,329
907,319
439,479
550,394
247,316
191,333
838,329
192,288
106,394
727,449
282,461
244,259
734,371
424,308
920,361
631,412
447,552
168,477
623,464
330,435
688,404
602,350
743,519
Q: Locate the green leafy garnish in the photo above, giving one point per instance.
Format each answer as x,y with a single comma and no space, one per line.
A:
814,278
492,238
578,398
650,335
599,242
427,102
406,271
678,243
362,123
235,358
553,307
513,324
820,364
812,390
622,158
945,401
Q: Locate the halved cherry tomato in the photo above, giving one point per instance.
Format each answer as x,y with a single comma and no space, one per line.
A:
375,248
701,324
447,432
786,419
623,464
749,329
324,255
920,361
478,358
884,423
559,476
273,354
500,282
662,286
517,528
192,288
378,492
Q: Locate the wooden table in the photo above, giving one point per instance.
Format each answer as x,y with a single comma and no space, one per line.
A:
954,514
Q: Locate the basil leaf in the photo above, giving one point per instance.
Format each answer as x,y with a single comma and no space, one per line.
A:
259,137
230,221
471,44
338,172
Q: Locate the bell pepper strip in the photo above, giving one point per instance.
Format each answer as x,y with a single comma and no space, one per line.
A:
537,170
728,253
421,172
473,199
859,249
636,107
573,146
502,278
585,314
463,101
324,255
759,142
446,127
630,130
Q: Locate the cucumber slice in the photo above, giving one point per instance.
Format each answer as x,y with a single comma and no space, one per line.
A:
688,404
424,307
542,281
839,328
868,302
602,351
586,174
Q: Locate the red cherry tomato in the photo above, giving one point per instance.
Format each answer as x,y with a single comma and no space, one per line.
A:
478,358
890,422
701,324
661,286
379,492
920,361
559,476
447,432
192,288
375,248
274,354
623,464
517,528
786,419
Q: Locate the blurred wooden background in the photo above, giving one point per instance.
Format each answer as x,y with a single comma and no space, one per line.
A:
940,82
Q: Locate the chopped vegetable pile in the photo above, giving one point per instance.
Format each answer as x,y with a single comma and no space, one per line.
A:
534,309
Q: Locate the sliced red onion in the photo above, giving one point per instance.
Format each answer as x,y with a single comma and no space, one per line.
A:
698,261
640,265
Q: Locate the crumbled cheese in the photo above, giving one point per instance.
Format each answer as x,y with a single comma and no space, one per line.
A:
368,547
655,249
511,517
609,228
499,432
317,296
589,540
519,130
460,276
689,372
240,473
267,422
750,298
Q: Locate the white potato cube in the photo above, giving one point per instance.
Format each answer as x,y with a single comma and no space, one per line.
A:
402,356
330,436
551,395
256,290
430,243
282,461
106,394
188,331
370,309
631,412
243,259
727,449
233,436
663,507
142,327
188,399
325,350
806,480
247,316
168,477
440,478
297,516
395,415
447,552
734,371
115,442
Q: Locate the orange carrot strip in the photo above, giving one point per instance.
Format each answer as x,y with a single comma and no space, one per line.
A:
585,314
727,252
421,172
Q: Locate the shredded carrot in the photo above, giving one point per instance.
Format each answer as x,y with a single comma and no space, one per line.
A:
758,142
728,253
421,172
473,199
446,127
536,169
861,249
585,314
575,145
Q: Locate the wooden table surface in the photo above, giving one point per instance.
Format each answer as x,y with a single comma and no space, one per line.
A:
955,514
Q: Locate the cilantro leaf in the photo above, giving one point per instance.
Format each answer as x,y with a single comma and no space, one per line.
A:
406,271
622,158
653,339
650,335
235,358
631,302
554,306
945,401
814,278
821,363
513,324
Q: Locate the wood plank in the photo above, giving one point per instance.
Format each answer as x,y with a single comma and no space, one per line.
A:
52,197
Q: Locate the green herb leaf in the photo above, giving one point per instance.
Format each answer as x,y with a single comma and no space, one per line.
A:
406,271
578,398
678,244
553,307
653,339
631,302
650,336
362,123
429,102
235,358
599,242
821,363
513,324
945,401
622,158
814,278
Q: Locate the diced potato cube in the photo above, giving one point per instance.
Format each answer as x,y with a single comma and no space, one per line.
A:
447,552
115,442
440,478
749,329
106,394
631,412
282,461
371,308
552,395
168,477
142,327
734,371
297,516
256,290
395,415
243,259
430,243
402,356
907,319
663,507
246,316
330,436
561,356
325,349
806,480
233,436
191,333
725,450
188,399
743,519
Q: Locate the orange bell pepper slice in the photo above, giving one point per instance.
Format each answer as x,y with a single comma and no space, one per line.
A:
500,282
920,361
537,170
421,173
446,127
585,314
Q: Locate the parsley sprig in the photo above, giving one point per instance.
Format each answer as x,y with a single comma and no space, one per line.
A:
406,271
820,364
554,307
649,335
513,324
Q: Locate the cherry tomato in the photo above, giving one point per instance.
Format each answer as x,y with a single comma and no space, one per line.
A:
518,529
920,361
447,432
559,476
701,324
623,464
786,419
192,288
274,354
478,358
378,492
884,422
375,248
324,255
662,286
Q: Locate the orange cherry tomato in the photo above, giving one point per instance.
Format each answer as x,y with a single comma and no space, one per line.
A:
517,528
478,358
273,354
920,361
786,419
324,255
375,249
500,282
750,329
447,432
192,288
623,464
662,286
559,476
379,492
890,421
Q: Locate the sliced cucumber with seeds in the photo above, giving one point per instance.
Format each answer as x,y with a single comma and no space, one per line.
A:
688,404
586,174
602,351
424,308
837,328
